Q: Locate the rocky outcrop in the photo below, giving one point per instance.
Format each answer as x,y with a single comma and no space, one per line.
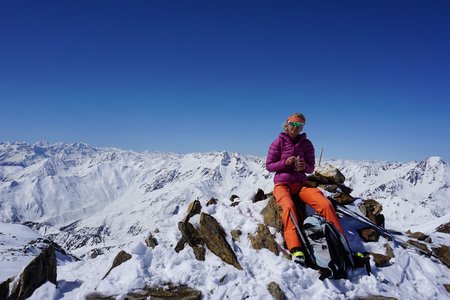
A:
444,228
191,236
264,239
332,180
443,253
272,215
4,288
181,292
329,174
40,270
213,235
209,233
194,209
372,210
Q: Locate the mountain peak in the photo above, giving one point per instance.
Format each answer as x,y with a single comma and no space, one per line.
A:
435,160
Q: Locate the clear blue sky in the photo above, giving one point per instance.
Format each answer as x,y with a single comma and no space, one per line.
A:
372,77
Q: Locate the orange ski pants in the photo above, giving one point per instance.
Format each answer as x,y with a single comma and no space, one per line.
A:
313,197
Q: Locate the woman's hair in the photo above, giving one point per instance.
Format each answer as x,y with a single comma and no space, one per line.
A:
294,115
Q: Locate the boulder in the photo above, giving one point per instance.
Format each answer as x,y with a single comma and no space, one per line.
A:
419,245
120,258
193,209
369,235
332,188
389,250
4,288
443,253
311,183
213,235
313,180
211,201
191,236
272,215
342,198
98,296
93,253
260,195
381,260
236,235
233,197
181,292
235,203
420,236
372,210
344,189
330,173
40,270
150,241
444,228
264,239
275,290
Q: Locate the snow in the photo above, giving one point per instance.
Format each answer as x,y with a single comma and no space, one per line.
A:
130,194
12,257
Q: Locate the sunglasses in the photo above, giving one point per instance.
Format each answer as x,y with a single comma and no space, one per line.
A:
296,124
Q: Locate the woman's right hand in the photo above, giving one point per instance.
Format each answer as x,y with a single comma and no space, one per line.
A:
290,161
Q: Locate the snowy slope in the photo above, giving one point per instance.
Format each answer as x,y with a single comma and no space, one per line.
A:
88,198
19,245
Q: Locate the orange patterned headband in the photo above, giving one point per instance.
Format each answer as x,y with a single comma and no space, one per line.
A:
295,119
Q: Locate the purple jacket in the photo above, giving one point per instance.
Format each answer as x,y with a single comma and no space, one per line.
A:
283,147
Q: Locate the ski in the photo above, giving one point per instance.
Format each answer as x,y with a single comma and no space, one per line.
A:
390,234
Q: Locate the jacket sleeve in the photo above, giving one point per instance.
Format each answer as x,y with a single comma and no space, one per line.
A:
273,162
310,158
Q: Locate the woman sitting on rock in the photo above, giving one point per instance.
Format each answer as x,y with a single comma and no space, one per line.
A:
291,156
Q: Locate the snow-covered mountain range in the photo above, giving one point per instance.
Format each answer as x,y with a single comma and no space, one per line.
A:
89,193
412,193
91,200
87,196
